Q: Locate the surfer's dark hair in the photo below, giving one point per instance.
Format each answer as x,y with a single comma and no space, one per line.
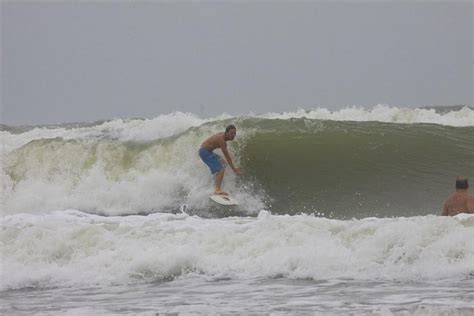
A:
229,127
461,183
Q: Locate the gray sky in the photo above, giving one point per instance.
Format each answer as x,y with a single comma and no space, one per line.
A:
84,61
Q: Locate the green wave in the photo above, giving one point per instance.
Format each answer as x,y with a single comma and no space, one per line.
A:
340,168
356,169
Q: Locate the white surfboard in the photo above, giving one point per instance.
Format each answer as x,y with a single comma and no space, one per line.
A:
224,199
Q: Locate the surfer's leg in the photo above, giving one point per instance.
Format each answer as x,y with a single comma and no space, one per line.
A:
218,182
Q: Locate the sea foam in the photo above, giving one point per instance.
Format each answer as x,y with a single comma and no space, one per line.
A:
79,249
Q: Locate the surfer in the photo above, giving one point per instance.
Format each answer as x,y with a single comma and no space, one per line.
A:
460,201
214,161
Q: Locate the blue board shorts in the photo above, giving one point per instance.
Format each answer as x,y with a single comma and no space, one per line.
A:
212,160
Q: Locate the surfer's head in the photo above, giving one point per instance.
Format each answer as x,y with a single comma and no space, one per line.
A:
230,132
461,183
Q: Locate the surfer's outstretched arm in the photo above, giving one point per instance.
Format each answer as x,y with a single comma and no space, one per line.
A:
229,159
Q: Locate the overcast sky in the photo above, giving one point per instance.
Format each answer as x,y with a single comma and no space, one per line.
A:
84,61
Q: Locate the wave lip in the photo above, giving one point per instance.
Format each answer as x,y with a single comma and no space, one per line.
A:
450,116
140,130
167,125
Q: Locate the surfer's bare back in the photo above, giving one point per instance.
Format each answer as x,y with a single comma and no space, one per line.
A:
460,201
215,163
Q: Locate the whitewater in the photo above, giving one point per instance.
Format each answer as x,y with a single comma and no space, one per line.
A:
339,214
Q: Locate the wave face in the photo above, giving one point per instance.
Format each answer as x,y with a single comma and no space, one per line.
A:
357,168
345,164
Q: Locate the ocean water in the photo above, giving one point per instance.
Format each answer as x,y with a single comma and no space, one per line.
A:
339,213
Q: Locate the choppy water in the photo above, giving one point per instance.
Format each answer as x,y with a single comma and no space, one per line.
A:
339,214
73,261
253,296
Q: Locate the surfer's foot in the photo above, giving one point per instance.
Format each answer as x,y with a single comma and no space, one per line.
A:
221,193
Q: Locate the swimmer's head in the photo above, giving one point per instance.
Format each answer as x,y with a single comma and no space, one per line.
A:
461,183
